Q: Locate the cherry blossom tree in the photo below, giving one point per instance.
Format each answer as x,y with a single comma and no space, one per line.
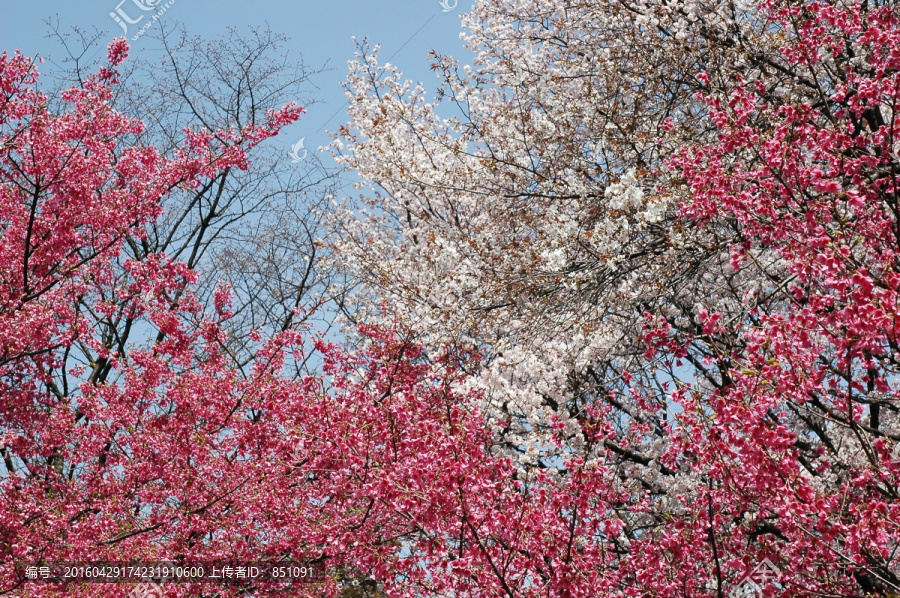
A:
673,222
810,398
528,209
82,475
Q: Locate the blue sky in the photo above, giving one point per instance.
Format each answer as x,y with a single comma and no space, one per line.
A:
321,31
